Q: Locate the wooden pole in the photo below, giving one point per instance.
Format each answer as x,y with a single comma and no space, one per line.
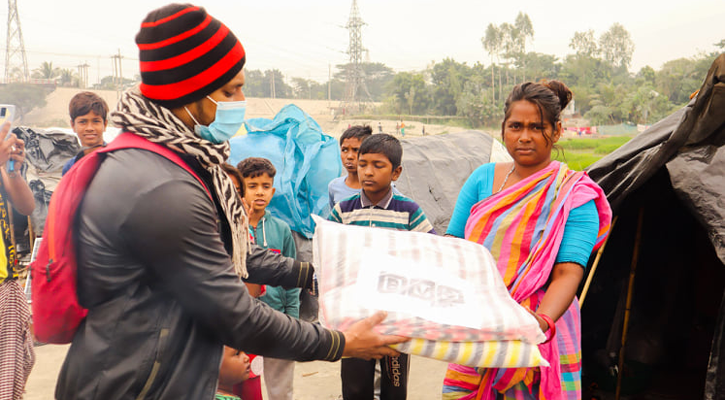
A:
630,290
595,265
31,235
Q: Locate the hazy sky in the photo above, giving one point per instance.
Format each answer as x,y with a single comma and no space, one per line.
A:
303,37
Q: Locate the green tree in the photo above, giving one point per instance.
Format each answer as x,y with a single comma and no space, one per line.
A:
584,44
645,105
584,71
24,96
45,71
646,76
408,93
301,88
67,77
720,45
477,105
259,84
599,114
254,83
109,83
448,78
318,90
617,46
677,79
509,45
492,42
524,32
277,88
17,74
377,77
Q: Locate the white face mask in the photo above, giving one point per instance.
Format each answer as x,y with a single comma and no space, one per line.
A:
229,118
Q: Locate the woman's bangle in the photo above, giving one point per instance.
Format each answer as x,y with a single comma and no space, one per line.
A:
552,326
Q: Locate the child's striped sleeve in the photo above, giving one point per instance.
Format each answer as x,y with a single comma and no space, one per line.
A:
419,222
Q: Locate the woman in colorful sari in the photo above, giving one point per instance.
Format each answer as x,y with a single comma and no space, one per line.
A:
541,221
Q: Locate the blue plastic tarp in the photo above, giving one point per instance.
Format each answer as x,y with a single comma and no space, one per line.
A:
305,158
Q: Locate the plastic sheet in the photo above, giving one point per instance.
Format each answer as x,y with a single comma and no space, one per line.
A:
305,158
46,151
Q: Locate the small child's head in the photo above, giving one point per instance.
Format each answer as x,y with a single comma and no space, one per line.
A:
258,181
235,368
350,142
88,118
235,176
378,162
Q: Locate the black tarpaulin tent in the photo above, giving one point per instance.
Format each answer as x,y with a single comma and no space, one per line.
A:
674,175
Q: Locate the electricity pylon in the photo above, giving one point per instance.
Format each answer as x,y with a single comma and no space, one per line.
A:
15,58
356,90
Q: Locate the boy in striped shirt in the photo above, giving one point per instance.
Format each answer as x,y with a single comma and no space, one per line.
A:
376,205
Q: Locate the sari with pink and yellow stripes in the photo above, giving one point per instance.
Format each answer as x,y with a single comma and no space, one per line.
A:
523,226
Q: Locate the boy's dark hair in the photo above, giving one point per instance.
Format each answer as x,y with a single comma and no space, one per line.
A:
384,144
85,102
359,132
230,170
253,167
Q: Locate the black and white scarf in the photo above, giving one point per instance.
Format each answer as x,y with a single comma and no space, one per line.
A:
158,124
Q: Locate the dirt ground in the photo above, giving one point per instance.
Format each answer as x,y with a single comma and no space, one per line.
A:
316,380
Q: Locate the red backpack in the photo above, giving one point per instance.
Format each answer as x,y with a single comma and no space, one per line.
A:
56,311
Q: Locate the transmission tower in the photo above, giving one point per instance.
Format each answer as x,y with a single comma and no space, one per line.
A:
356,90
15,47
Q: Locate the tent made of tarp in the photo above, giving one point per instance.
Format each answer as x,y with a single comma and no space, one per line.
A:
666,187
306,160
46,151
436,167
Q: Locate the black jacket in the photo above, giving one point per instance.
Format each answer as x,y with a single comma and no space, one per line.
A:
162,294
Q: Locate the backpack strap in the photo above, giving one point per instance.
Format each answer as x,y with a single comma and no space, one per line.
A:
128,140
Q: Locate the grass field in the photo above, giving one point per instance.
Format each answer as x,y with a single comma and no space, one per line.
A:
579,153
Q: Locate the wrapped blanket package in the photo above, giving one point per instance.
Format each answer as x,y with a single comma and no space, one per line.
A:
444,293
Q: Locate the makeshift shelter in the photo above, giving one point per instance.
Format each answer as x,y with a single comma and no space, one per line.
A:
305,158
671,178
46,151
436,167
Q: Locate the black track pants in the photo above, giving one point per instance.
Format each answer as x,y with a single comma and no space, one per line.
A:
358,376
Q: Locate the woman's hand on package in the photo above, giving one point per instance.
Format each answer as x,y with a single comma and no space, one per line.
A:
543,325
361,341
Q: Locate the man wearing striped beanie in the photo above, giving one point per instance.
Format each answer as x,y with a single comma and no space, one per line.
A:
160,256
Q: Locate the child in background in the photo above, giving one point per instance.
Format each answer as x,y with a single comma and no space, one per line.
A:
88,118
346,186
234,369
235,176
274,234
251,387
376,205
254,289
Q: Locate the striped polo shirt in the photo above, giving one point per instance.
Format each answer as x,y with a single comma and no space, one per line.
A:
394,211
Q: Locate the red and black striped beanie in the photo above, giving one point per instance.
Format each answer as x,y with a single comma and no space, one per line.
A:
185,55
